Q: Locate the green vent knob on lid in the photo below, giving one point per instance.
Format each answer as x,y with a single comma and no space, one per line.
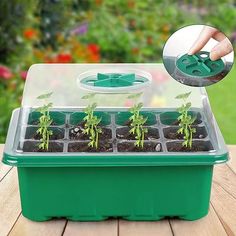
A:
199,65
114,82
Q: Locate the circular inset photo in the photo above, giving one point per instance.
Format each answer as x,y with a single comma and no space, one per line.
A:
198,55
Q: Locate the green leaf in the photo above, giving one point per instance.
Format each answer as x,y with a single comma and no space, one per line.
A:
99,130
183,95
180,131
135,95
143,120
193,119
193,130
93,106
45,96
89,96
145,130
91,143
86,131
132,131
139,106
137,143
185,144
187,106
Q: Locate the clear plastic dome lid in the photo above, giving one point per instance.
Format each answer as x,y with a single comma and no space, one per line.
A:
111,83
60,97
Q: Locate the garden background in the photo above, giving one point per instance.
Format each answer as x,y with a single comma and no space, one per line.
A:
68,31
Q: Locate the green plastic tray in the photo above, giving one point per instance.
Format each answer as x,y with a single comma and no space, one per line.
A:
133,186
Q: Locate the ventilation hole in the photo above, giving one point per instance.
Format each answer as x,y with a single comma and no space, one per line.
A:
185,61
196,72
214,65
138,82
90,81
204,55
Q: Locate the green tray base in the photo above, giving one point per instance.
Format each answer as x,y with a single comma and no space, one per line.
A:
132,193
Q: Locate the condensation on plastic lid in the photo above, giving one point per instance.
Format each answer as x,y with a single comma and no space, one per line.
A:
114,80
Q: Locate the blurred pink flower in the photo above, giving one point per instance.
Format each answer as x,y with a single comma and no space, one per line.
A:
5,72
128,103
23,75
159,76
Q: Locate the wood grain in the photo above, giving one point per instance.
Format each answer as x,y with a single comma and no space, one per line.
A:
225,206
25,227
103,228
9,202
132,228
207,226
3,168
226,178
232,161
219,222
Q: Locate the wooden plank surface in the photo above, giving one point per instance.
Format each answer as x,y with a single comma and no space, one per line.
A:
103,228
25,227
219,222
207,226
3,168
132,228
9,202
232,161
226,178
225,206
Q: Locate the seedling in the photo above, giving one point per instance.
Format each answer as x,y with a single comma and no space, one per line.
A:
91,127
185,120
137,121
44,122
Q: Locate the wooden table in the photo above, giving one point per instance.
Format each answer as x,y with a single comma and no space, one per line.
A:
220,221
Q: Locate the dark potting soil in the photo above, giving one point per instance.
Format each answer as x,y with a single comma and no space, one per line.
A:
76,133
123,133
148,147
57,134
196,147
83,147
171,133
30,146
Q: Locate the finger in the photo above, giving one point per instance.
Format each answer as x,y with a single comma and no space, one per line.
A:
202,39
221,49
219,36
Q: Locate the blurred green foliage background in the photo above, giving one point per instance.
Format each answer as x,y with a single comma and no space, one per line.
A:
67,31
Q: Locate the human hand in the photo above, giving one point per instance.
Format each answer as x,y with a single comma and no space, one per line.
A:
223,48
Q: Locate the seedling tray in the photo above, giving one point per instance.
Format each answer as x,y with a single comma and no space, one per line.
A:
119,180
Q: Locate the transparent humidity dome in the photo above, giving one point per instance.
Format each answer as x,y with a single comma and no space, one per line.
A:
111,109
93,141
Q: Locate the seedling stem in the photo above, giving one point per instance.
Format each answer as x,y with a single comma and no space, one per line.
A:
44,122
91,122
137,121
186,120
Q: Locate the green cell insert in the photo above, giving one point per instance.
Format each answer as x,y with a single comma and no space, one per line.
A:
199,65
58,118
122,118
78,117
